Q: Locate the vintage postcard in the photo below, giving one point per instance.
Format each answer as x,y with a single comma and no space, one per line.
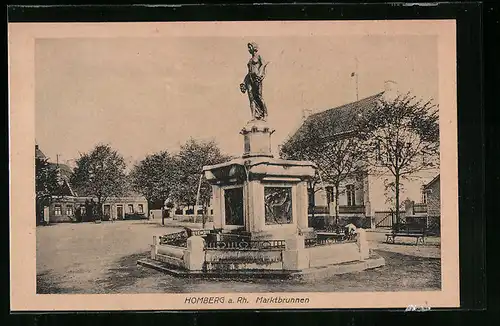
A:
233,165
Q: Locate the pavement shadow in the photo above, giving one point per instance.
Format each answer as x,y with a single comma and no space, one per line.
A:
47,283
124,273
395,274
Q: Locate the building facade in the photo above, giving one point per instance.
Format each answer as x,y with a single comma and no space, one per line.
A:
75,208
68,206
367,194
432,197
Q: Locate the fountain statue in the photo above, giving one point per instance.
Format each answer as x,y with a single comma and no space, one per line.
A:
263,196
260,212
252,83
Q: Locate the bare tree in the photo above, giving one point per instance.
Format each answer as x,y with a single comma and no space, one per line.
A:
402,137
338,155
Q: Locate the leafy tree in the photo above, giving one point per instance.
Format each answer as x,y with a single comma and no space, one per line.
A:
47,185
338,156
402,137
193,155
100,174
154,177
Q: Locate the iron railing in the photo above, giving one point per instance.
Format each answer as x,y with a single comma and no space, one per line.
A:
246,245
356,209
200,233
315,242
178,239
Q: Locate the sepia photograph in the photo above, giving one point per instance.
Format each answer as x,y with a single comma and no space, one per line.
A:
284,160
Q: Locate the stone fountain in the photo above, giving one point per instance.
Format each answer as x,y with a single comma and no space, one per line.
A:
257,194
260,214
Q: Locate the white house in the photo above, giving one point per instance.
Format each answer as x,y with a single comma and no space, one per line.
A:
364,195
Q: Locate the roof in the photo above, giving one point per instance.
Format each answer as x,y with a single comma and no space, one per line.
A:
64,169
433,181
341,118
39,154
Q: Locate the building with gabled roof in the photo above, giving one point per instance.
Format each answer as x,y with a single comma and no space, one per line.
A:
432,197
69,206
365,195
341,118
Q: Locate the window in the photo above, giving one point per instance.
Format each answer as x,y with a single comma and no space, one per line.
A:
278,205
130,208
329,195
350,195
424,197
57,210
69,210
107,210
140,208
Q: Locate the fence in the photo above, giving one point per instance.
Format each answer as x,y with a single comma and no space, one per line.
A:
193,218
246,245
315,242
384,219
322,222
359,209
178,239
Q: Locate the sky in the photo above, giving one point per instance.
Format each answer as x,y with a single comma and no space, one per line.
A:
144,95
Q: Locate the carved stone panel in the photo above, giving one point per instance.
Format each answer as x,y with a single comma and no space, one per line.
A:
278,205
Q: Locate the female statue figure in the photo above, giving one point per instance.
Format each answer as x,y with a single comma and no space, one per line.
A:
252,84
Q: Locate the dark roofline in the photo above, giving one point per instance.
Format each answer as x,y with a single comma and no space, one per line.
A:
315,115
39,153
436,178
344,105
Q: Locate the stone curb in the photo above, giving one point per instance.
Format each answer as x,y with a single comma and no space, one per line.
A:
308,275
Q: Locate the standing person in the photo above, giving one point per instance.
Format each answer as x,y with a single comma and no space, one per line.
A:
46,217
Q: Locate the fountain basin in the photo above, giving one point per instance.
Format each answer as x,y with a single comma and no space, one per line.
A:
285,258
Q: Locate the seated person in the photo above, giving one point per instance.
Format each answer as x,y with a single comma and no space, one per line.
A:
350,230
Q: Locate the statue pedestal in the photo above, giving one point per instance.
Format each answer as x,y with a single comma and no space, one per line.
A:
257,139
264,196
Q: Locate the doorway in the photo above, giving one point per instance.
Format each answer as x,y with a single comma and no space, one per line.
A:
119,212
107,212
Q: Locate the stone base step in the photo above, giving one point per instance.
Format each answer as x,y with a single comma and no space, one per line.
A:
227,274
308,275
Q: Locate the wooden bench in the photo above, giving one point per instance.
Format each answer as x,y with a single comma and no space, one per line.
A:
417,231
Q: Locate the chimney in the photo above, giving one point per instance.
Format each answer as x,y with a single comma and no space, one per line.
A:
390,90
